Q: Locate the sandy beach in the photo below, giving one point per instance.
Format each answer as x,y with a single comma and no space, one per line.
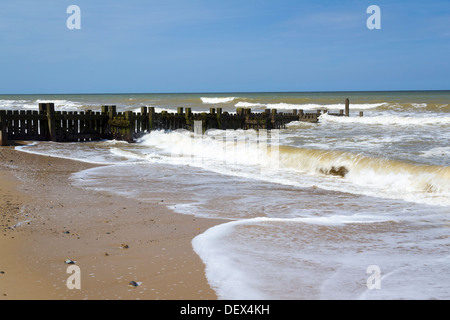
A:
113,240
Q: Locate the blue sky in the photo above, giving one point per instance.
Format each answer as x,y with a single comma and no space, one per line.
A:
146,46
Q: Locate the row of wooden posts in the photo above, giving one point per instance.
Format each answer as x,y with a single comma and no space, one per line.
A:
46,124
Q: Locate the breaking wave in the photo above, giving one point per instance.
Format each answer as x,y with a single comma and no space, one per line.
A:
216,100
242,154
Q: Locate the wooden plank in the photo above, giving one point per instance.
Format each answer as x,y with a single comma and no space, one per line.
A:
3,128
347,107
51,121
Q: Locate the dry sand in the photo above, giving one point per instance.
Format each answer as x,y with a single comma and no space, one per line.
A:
44,221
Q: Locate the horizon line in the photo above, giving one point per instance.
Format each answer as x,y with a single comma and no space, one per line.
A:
225,92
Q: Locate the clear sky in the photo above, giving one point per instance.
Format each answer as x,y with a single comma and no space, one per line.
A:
148,46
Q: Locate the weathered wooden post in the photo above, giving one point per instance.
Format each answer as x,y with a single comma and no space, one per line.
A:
143,120
129,132
3,132
43,123
151,113
51,121
347,107
112,112
105,109
361,113
187,119
104,126
64,125
267,118
219,118
274,119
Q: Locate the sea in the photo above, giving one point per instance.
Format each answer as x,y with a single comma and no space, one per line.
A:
347,208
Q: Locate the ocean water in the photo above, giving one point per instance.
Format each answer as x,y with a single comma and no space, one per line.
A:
347,208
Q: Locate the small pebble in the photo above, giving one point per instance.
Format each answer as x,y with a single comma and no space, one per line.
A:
134,284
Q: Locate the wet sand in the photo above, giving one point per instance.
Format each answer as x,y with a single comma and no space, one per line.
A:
113,240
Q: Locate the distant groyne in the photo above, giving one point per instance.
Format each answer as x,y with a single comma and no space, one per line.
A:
46,124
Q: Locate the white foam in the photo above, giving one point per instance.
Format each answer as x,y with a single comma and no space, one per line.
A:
70,151
238,153
265,258
217,100
308,106
60,105
159,110
436,152
419,120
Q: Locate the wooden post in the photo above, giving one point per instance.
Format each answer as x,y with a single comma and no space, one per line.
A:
361,113
144,119
151,113
14,124
347,107
43,132
64,125
3,132
130,130
112,112
274,115
34,124
104,123
82,128
51,121
104,109
76,126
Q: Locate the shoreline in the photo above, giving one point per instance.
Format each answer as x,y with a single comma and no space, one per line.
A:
113,240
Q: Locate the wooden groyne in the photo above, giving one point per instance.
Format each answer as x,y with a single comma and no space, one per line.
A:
46,124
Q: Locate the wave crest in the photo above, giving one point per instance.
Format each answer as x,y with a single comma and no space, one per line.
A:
216,100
